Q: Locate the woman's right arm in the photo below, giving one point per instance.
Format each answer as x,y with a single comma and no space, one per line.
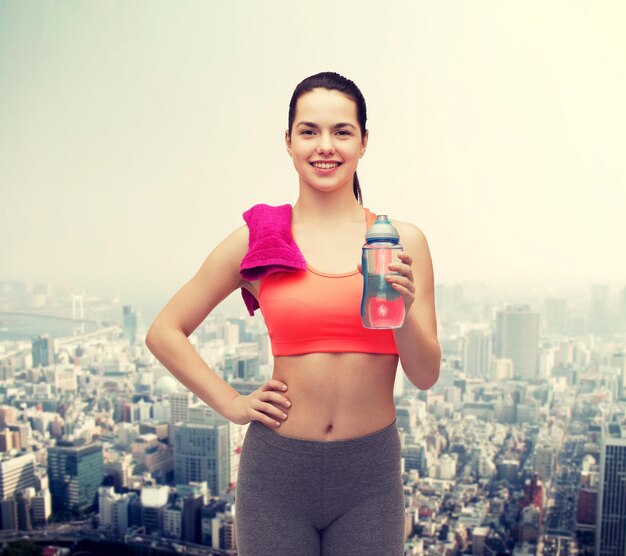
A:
168,339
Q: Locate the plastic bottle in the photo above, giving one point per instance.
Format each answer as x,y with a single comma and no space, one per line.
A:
381,305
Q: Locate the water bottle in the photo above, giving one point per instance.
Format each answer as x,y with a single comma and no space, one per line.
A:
381,305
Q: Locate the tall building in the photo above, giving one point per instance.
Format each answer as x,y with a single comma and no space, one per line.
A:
517,338
42,507
113,509
477,353
16,474
75,471
43,350
611,513
191,522
201,453
586,511
173,519
153,503
179,406
130,321
8,511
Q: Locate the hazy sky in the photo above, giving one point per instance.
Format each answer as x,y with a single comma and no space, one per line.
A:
134,134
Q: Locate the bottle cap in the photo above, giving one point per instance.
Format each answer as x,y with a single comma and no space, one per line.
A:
382,230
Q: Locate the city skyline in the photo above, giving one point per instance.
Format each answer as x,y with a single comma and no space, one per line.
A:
132,140
501,455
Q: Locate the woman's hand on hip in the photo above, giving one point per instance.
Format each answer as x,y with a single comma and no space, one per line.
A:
259,405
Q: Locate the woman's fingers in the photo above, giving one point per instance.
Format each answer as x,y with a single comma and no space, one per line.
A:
401,281
266,408
405,277
272,411
274,384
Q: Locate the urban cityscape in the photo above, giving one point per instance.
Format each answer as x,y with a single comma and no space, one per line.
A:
519,449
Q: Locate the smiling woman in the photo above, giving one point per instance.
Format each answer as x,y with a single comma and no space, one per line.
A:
321,139
320,117
330,480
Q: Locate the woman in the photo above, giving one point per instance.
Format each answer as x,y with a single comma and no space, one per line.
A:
320,465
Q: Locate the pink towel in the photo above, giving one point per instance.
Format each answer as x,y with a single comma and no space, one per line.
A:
271,247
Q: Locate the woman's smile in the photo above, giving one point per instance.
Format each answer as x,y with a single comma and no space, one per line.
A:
324,168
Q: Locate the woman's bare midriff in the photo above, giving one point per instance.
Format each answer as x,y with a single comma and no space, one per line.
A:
336,396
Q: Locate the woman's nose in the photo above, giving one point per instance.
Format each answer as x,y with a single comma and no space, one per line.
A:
325,144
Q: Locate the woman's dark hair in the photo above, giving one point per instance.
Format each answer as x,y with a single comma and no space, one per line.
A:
333,82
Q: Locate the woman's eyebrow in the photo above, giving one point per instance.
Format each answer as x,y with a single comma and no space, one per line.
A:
312,124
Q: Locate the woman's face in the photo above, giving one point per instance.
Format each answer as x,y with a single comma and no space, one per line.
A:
326,141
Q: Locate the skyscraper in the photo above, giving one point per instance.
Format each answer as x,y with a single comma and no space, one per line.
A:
201,453
477,353
16,473
179,405
130,323
517,338
75,471
611,513
43,350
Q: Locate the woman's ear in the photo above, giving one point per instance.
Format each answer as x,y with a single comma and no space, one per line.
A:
288,141
364,142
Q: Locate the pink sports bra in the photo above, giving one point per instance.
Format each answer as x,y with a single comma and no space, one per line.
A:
308,311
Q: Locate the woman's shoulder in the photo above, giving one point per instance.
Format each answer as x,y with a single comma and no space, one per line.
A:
406,228
239,237
410,234
232,248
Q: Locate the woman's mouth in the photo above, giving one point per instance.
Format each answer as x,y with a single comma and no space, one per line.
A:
325,167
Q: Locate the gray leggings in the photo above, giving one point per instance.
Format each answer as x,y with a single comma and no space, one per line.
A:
298,497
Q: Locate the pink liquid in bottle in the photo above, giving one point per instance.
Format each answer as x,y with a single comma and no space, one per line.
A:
385,313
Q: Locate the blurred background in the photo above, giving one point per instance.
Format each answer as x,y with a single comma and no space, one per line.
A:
133,135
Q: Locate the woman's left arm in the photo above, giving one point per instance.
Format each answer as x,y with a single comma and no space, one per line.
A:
420,353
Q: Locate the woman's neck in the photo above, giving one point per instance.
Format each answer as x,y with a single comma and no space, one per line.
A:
320,207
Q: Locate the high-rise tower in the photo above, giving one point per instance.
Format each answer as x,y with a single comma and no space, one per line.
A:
611,512
517,338
75,470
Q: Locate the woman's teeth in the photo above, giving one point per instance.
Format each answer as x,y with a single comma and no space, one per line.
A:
325,165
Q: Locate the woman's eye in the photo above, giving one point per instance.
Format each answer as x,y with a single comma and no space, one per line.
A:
343,132
306,132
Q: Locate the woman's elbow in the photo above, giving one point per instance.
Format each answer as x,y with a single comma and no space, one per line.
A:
429,373
428,379
153,336
150,339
